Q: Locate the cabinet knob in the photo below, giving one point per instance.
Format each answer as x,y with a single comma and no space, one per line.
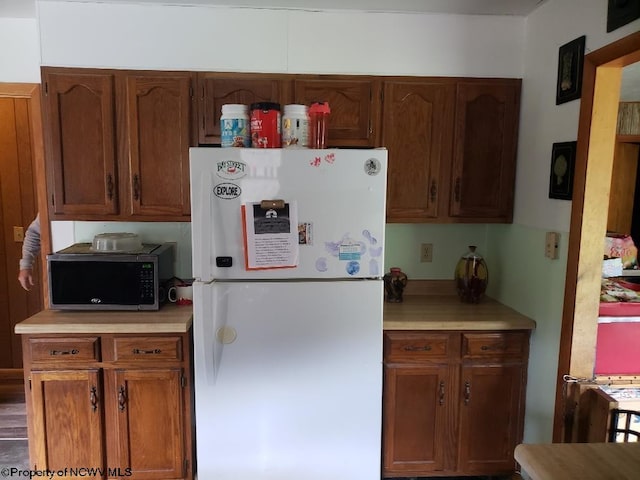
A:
93,398
467,392
433,190
122,398
136,187
110,186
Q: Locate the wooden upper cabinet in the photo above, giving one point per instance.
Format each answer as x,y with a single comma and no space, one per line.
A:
484,154
158,113
417,119
79,116
217,89
118,143
354,104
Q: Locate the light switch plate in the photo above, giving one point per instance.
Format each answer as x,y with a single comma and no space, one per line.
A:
551,245
18,234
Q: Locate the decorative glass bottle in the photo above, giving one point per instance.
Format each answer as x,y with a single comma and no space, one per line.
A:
394,283
471,276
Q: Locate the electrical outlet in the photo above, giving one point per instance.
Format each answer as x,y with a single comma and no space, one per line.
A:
426,252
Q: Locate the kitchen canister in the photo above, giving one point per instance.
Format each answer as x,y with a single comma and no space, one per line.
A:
295,126
265,125
234,126
394,283
471,276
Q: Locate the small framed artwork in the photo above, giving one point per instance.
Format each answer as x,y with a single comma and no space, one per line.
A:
621,12
563,158
570,64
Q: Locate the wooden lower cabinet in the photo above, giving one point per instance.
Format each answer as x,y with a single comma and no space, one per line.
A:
119,404
453,402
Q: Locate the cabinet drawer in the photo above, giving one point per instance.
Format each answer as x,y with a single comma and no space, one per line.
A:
65,350
417,346
499,344
147,348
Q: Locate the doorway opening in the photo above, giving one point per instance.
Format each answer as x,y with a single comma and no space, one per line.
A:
592,183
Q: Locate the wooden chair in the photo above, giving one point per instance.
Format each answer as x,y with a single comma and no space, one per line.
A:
626,431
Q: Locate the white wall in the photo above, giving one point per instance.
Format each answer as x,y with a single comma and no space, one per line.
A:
233,39
19,50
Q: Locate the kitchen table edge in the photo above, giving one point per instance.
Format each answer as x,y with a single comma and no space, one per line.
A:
170,319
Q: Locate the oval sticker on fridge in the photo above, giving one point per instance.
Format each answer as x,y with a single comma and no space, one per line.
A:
227,191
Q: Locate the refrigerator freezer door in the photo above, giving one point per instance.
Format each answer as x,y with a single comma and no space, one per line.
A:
339,196
294,387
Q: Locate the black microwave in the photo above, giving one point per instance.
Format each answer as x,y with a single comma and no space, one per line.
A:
83,279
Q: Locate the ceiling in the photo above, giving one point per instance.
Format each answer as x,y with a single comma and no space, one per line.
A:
630,78
468,7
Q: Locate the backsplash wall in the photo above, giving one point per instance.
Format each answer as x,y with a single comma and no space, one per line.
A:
402,247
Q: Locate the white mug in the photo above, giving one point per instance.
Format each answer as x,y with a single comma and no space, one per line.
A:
181,294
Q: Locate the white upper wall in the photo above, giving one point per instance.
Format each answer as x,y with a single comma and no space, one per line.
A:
19,50
294,41
543,123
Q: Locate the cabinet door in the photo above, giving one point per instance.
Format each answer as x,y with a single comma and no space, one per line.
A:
417,120
148,411
417,426
67,421
484,157
216,90
79,124
491,410
354,107
158,112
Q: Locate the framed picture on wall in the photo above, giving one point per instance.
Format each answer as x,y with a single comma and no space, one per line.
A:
621,12
563,159
570,64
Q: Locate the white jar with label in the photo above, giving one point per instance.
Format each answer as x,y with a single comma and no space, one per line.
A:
295,126
234,126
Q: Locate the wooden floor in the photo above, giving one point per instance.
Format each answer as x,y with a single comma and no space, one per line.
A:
14,450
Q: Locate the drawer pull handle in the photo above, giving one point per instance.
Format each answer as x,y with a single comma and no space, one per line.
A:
467,393
93,398
74,351
413,348
484,347
441,399
122,398
138,351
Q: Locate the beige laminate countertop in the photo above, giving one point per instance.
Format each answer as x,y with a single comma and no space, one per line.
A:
447,312
169,319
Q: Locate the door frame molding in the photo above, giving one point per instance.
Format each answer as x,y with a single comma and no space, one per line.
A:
592,182
31,92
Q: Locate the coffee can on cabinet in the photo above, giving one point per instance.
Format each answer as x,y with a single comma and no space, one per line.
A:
265,125
295,126
234,126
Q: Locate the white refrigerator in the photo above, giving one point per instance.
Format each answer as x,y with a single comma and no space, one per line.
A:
288,258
